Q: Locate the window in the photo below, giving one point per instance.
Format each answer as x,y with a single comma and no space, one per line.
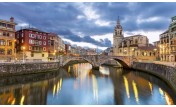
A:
3,24
9,26
39,37
32,55
40,42
31,41
44,37
4,33
43,55
32,35
142,53
9,43
2,42
44,43
44,48
30,48
9,52
2,51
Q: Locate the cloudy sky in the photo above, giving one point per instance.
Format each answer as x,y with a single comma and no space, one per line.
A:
92,24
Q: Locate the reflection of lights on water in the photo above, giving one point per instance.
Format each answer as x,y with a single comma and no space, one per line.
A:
22,100
126,86
59,85
168,99
68,68
150,85
13,101
135,91
166,96
54,89
161,91
95,88
104,70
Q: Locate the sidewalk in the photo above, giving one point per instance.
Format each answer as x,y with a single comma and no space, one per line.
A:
172,64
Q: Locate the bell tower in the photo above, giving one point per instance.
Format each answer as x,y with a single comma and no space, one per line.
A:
117,37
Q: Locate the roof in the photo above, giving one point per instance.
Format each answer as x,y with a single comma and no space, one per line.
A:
34,29
150,47
135,36
5,21
165,32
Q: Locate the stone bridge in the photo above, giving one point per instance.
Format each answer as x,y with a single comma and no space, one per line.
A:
98,60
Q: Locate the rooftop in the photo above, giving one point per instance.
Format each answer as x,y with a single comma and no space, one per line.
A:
33,29
165,32
150,47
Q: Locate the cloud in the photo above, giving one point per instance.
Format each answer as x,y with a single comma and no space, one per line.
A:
80,22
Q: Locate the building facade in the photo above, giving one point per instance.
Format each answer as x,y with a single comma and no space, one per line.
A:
7,40
168,43
136,45
53,44
32,44
61,46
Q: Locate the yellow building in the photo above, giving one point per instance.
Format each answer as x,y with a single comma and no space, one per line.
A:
7,40
168,43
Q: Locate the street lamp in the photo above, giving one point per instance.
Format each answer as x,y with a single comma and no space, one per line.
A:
23,52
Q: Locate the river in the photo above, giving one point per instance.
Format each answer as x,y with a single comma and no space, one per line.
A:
79,84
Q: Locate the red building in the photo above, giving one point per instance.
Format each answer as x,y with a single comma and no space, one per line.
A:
33,43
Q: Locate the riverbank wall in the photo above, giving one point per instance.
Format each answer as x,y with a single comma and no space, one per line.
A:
27,68
166,73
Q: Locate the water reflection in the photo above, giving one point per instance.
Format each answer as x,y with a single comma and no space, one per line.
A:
79,84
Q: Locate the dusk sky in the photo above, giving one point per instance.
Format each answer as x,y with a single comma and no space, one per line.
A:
92,24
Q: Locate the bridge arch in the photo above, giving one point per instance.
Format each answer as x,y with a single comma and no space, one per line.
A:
122,61
76,59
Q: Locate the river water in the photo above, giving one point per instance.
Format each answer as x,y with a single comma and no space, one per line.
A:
79,84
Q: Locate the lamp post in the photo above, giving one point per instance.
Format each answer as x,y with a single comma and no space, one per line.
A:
23,52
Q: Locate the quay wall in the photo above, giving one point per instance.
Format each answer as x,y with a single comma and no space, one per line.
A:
166,73
27,68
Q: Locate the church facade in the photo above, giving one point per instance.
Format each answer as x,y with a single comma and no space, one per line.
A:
135,45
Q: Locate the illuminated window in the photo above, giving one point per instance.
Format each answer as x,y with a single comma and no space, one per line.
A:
44,48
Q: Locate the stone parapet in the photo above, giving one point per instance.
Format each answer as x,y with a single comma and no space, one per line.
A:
167,73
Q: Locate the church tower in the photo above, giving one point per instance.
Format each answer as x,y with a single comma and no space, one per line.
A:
117,37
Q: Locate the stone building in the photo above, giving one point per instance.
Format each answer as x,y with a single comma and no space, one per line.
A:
168,42
7,40
136,45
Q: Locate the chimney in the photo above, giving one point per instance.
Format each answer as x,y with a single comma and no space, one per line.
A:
11,19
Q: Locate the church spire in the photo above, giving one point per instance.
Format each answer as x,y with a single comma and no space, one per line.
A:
118,26
118,21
